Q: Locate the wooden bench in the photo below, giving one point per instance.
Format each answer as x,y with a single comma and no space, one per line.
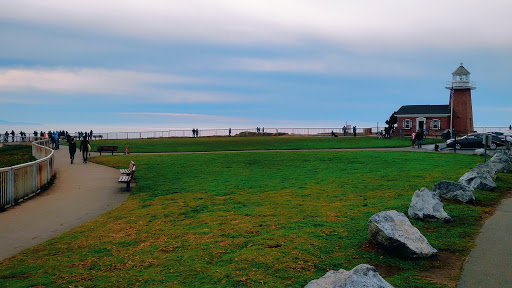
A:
127,179
97,137
129,170
106,148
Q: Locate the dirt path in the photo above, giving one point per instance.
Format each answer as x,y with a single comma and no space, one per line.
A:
81,192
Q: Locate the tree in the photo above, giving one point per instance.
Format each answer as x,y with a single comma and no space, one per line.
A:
391,122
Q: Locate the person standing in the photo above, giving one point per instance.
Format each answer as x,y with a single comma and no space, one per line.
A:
72,149
84,148
354,129
344,130
413,139
12,135
90,135
229,132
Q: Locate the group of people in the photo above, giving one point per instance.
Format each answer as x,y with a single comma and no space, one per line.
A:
84,147
195,132
417,138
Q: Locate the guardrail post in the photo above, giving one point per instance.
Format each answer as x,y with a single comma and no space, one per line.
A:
48,170
34,178
11,186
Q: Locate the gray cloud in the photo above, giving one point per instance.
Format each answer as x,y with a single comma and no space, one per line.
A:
368,24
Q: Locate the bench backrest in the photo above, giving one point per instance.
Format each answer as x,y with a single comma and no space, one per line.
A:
132,165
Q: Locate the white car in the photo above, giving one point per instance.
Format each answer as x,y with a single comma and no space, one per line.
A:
504,135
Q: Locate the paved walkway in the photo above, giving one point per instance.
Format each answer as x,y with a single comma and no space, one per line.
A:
81,192
490,263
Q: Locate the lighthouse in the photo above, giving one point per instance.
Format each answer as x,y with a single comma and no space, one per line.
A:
461,119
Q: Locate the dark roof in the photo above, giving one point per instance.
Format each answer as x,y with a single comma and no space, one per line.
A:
461,71
423,110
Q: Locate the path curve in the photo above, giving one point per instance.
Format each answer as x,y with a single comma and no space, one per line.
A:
81,192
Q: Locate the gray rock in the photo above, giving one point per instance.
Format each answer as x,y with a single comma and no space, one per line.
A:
393,231
499,167
478,179
501,162
486,168
454,190
361,276
426,205
481,152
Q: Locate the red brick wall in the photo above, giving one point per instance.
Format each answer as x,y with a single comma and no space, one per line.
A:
445,124
462,112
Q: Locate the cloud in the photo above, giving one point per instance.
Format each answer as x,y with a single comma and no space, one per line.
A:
325,64
82,80
372,24
117,85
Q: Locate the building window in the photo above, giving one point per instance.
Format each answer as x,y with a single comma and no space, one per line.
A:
435,124
406,124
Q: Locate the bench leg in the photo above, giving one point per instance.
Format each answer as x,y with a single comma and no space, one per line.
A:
112,152
128,186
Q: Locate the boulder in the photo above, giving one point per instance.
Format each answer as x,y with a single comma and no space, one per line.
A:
393,231
426,205
501,162
361,276
454,190
481,152
498,166
486,168
478,179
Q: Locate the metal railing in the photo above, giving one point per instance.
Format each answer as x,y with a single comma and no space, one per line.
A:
225,132
24,180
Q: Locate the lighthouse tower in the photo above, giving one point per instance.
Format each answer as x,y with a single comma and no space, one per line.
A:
460,101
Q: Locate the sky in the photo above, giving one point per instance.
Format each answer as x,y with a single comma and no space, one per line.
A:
127,65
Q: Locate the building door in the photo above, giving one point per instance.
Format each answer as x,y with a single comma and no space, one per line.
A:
420,123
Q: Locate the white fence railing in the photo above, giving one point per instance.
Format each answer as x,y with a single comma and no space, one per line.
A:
22,181
234,131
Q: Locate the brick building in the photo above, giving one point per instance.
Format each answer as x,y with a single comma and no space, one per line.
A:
457,115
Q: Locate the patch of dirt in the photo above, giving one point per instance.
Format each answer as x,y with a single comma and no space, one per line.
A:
369,247
445,269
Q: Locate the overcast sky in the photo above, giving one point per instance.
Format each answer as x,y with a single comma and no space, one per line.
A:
128,65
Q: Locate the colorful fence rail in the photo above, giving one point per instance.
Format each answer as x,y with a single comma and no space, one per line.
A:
24,180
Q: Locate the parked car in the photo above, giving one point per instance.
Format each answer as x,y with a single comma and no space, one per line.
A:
474,141
505,136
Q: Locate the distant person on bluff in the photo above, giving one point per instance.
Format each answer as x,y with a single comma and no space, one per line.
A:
354,129
72,150
90,135
84,148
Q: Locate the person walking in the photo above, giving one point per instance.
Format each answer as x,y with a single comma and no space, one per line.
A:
344,130
413,139
419,138
72,149
57,144
84,148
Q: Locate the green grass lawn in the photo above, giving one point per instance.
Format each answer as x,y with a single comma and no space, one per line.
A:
11,155
253,143
274,219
